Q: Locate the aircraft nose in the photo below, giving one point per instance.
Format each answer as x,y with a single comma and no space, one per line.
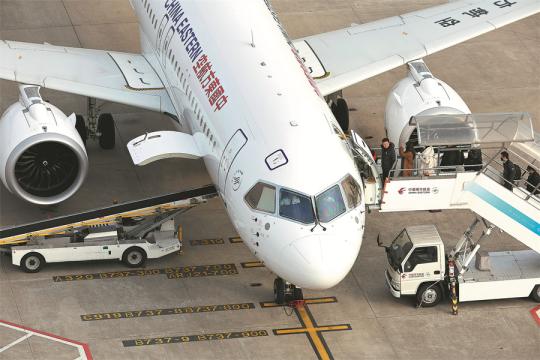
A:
320,262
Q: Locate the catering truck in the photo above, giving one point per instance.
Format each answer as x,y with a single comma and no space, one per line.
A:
419,266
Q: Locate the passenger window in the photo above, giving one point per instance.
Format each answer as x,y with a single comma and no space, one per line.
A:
296,207
330,204
421,255
262,197
353,195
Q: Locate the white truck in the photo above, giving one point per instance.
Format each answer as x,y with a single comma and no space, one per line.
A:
418,266
99,243
132,232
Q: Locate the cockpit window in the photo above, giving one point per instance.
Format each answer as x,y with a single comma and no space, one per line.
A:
330,204
262,197
353,195
295,206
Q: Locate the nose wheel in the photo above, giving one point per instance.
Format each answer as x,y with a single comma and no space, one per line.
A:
285,292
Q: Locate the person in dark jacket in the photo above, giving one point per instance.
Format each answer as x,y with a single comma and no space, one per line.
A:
509,171
451,159
533,181
474,160
388,157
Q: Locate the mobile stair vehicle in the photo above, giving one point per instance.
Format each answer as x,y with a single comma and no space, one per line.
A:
131,232
417,262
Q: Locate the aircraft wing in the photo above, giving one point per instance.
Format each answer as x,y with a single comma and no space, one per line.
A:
118,77
341,58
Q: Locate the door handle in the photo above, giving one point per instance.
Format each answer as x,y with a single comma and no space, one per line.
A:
437,272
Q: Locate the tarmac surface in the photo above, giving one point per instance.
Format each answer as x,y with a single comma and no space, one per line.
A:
216,308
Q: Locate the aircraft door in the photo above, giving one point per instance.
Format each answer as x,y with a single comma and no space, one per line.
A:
166,44
235,144
373,185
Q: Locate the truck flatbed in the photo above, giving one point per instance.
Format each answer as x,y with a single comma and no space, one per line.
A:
506,265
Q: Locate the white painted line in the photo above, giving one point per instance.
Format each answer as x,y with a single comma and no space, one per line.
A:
22,338
84,352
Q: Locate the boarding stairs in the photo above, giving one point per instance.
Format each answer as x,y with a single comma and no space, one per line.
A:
480,190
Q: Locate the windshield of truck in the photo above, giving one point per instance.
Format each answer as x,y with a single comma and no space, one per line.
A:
399,249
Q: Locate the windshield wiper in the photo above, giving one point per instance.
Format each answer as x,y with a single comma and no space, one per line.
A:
317,221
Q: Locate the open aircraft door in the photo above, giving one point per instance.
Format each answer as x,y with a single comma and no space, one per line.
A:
373,186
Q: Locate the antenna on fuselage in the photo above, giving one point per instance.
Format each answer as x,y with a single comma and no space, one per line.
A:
252,39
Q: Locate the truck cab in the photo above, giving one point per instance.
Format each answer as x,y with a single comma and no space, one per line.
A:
416,264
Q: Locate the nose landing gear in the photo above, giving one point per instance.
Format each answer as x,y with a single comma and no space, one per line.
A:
285,292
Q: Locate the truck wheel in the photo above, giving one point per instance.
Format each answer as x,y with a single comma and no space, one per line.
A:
535,295
428,295
134,257
32,262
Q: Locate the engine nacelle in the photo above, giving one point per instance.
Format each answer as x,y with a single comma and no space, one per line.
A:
418,94
42,156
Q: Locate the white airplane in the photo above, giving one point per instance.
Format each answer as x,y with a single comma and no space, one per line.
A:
250,102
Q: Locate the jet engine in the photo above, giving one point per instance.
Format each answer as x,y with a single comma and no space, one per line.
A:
42,156
420,93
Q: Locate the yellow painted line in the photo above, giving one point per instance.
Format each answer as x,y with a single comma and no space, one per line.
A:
335,328
169,311
312,334
235,240
290,331
171,273
192,338
322,300
269,304
304,330
252,264
201,242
